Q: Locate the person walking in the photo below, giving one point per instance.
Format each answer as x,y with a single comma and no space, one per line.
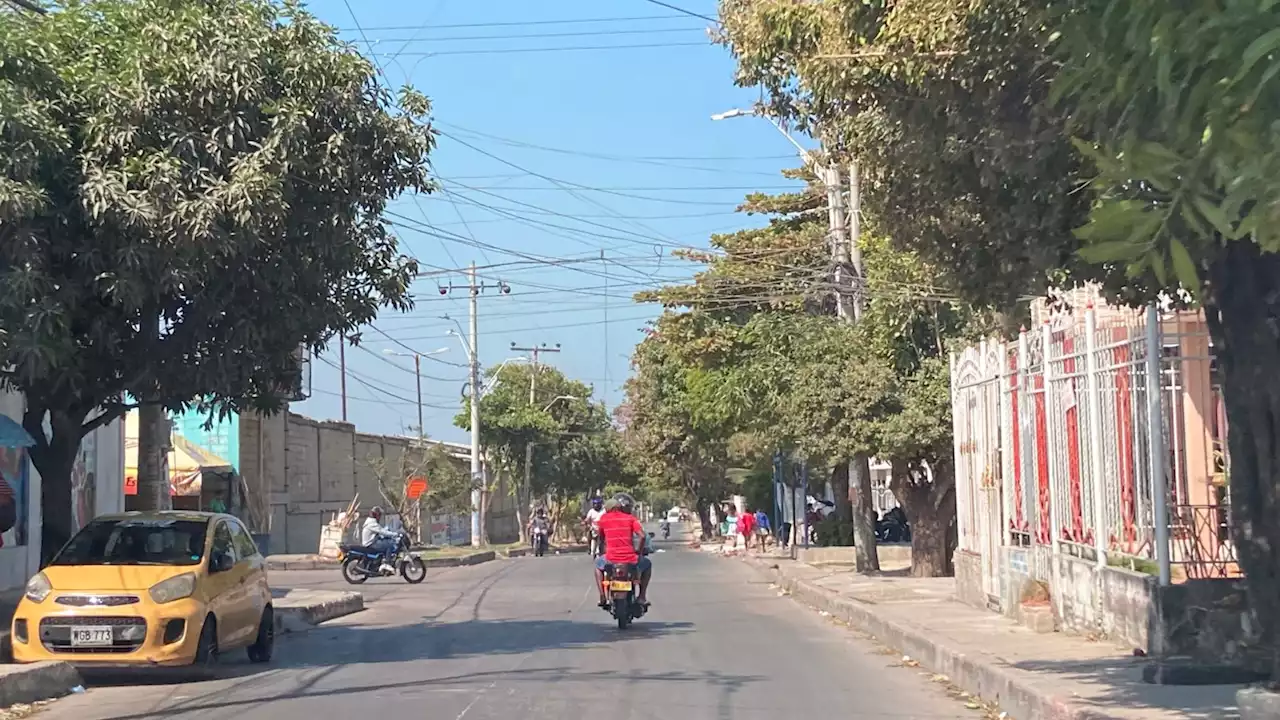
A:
747,527
762,529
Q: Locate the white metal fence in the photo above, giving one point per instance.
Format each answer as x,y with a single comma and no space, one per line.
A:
1060,447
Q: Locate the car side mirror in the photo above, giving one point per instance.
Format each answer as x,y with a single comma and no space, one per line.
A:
221,562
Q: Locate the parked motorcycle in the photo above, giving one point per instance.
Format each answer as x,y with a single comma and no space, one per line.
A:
540,542
359,563
620,587
893,527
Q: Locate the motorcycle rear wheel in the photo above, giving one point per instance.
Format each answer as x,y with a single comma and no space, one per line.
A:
351,571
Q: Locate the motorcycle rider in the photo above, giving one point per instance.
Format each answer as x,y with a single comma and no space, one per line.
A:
665,526
624,542
592,522
378,539
541,522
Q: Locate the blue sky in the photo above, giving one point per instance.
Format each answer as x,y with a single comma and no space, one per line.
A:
551,147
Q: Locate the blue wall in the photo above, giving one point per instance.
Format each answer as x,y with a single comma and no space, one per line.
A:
223,439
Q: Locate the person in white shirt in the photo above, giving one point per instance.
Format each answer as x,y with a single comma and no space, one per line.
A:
378,539
592,523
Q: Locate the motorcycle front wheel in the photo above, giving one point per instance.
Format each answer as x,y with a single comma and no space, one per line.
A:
413,570
351,571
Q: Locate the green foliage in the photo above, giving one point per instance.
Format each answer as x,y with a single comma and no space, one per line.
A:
1175,104
575,448
945,105
191,191
832,531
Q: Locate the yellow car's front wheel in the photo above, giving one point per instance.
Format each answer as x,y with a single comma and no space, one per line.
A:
207,650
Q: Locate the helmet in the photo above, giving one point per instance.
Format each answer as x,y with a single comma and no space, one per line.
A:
375,512
542,511
624,502
597,502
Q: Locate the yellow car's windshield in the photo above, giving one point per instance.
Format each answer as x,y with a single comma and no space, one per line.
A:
135,541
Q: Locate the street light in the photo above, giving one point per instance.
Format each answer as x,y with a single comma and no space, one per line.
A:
739,112
557,399
528,446
417,371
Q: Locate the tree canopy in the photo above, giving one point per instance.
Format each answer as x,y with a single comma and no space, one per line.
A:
185,206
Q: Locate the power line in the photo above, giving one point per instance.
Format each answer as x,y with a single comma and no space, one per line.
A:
523,23
566,48
534,36
682,11
610,156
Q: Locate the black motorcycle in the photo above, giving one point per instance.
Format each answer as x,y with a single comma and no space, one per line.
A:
620,586
360,562
893,527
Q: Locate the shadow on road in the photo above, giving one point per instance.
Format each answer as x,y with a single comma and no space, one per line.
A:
327,646
243,695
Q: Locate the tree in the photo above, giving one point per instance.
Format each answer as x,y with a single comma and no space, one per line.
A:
1180,128
565,438
448,489
946,107
184,207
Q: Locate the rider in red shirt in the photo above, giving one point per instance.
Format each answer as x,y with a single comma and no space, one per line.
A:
623,545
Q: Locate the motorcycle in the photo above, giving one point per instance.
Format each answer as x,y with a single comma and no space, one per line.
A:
893,527
359,563
620,587
594,544
540,543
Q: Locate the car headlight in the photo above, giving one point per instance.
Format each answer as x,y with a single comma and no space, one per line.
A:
175,588
38,588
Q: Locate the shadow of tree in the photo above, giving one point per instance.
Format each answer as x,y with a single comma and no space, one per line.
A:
1118,683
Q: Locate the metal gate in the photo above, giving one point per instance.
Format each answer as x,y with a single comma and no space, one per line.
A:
975,383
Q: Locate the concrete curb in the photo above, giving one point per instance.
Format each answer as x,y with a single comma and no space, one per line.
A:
461,560
431,562
524,551
297,618
37,681
1015,694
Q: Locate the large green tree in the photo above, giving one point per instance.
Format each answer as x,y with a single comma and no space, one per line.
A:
1176,104
192,191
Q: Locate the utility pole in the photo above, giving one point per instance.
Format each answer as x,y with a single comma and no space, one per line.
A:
534,352
473,355
342,371
849,266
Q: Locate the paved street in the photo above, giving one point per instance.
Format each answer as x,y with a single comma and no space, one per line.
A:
522,640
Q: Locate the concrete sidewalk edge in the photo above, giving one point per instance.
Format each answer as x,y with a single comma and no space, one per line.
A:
1015,694
297,618
317,563
36,682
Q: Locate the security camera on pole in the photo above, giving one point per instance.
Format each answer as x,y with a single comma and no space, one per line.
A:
478,484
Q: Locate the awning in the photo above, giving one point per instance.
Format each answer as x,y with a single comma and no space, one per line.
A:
187,462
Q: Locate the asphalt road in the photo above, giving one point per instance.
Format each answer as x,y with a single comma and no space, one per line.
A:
522,640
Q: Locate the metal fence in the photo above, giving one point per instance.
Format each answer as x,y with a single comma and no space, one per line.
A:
1061,449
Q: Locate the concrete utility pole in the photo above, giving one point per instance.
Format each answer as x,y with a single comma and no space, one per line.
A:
849,265
474,289
534,352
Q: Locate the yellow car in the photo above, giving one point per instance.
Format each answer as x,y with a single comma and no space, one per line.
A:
149,588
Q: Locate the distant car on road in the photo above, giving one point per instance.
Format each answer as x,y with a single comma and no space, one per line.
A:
675,515
152,588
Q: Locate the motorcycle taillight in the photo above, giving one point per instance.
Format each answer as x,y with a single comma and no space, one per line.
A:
621,572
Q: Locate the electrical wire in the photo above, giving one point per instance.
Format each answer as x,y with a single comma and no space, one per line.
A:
524,23
682,11
566,48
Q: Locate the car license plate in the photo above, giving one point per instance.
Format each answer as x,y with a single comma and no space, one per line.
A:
90,636
620,586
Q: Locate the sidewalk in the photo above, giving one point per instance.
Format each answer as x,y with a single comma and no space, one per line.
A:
1031,676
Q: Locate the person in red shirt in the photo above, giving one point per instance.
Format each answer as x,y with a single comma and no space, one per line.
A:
747,527
623,545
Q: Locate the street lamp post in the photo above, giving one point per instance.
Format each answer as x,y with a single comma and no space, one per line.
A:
528,450
417,372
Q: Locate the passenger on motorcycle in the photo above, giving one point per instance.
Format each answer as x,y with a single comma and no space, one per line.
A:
624,539
592,521
379,539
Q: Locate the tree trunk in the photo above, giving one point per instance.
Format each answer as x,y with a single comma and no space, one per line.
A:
54,456
840,489
154,490
931,512
1243,309
864,519
704,517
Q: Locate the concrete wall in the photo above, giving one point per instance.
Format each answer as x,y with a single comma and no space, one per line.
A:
301,471
1204,619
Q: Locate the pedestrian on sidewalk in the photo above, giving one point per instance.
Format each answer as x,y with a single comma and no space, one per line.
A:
747,527
731,525
762,529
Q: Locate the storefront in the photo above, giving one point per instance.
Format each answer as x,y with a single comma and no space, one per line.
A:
97,487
